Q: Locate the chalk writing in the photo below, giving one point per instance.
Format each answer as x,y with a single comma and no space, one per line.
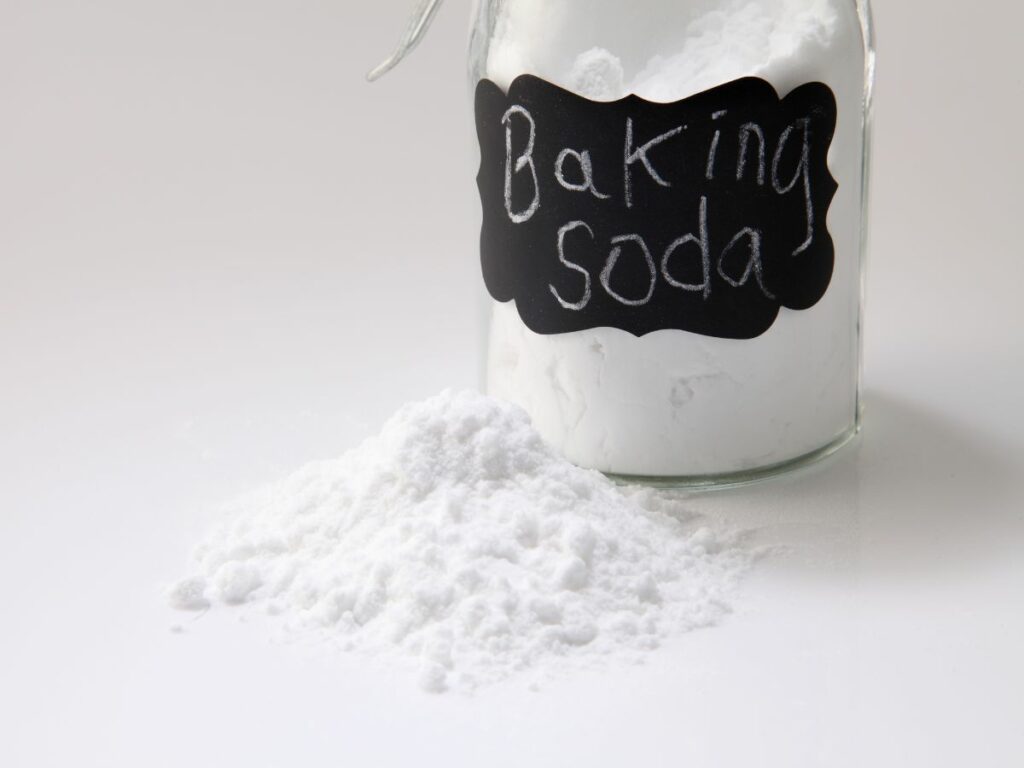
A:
706,215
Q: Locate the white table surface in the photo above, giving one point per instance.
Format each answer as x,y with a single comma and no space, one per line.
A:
203,285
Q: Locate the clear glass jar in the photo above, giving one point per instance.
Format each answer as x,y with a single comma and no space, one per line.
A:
674,197
673,405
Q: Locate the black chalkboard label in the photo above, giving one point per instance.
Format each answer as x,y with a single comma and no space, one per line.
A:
705,215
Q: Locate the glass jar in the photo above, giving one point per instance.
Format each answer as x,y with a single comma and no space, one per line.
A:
674,196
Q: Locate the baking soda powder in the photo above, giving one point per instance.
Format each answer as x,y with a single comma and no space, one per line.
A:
458,543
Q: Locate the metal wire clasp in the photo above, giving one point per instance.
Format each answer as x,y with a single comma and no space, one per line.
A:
418,26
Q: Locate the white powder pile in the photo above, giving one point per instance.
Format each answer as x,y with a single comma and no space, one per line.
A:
675,403
458,541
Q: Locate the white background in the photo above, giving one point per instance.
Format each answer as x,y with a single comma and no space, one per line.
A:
222,254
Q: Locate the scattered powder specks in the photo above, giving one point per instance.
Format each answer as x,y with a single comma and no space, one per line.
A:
457,540
187,595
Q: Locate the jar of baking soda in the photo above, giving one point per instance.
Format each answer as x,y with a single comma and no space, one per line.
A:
673,226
